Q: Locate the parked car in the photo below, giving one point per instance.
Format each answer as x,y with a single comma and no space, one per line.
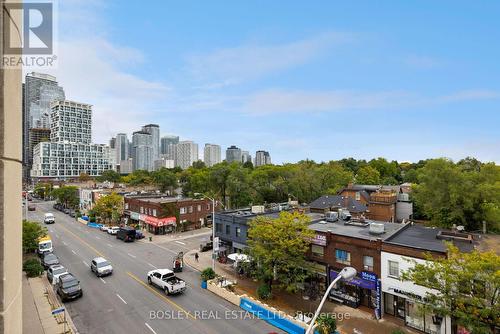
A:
68,287
49,259
126,233
139,235
31,207
100,266
166,280
66,211
205,246
54,272
113,230
104,228
72,213
49,218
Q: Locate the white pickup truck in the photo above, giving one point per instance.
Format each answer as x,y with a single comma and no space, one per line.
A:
166,280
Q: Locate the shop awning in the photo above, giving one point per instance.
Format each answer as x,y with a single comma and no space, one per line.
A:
158,222
239,257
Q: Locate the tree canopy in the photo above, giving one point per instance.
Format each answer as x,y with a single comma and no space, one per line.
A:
32,231
67,195
109,207
278,246
466,285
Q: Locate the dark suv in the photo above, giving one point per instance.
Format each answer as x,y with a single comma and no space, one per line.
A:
68,287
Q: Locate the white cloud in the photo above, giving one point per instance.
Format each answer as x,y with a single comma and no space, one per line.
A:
422,62
282,101
230,66
472,94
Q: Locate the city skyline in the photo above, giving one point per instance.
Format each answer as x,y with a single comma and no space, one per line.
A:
290,83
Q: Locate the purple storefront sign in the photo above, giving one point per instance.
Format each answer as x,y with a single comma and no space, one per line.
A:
356,281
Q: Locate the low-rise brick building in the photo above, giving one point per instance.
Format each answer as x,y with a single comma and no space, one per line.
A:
161,215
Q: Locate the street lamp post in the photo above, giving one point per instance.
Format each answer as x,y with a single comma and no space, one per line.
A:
347,274
213,226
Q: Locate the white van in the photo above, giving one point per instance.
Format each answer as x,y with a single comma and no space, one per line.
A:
49,218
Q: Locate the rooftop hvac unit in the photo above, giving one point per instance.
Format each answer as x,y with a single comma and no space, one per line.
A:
258,209
332,216
377,228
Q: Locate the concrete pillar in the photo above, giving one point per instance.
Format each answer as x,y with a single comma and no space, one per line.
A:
10,191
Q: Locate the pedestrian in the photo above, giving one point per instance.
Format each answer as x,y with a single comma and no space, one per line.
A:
196,256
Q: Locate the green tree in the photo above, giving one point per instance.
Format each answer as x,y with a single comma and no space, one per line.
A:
32,231
43,190
138,178
109,207
198,164
164,179
368,175
84,177
466,285
333,177
327,324
110,176
447,194
67,195
278,246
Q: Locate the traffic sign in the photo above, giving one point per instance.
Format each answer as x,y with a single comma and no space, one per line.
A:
58,310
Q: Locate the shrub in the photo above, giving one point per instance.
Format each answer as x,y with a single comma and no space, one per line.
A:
32,267
32,231
326,324
264,292
207,274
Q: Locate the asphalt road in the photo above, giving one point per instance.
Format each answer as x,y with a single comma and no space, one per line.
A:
123,302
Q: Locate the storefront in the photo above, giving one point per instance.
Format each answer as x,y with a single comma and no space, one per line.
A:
409,307
319,276
158,225
363,289
134,219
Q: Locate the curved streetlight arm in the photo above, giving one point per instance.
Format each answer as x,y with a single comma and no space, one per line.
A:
347,274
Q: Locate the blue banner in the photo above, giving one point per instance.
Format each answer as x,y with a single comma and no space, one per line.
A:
271,317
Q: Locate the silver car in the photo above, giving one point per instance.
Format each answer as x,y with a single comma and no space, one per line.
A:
101,267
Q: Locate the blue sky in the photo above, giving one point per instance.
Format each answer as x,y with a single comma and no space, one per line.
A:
321,80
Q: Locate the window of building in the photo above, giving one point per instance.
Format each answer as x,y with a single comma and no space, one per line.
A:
343,256
142,210
238,231
393,269
190,209
182,210
218,227
358,196
228,229
199,208
154,212
126,206
208,206
368,263
318,250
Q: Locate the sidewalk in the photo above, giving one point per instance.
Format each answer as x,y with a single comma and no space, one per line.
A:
359,321
39,299
159,239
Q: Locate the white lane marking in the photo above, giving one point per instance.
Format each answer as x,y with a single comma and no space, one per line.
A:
123,300
85,263
57,235
152,265
65,244
72,251
151,329
97,237
131,255
224,307
180,242
50,230
102,280
109,245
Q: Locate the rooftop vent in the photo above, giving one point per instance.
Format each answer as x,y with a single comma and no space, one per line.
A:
377,228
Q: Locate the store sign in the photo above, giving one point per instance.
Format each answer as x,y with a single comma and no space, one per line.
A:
378,300
358,281
135,215
369,276
319,239
158,222
216,244
408,294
